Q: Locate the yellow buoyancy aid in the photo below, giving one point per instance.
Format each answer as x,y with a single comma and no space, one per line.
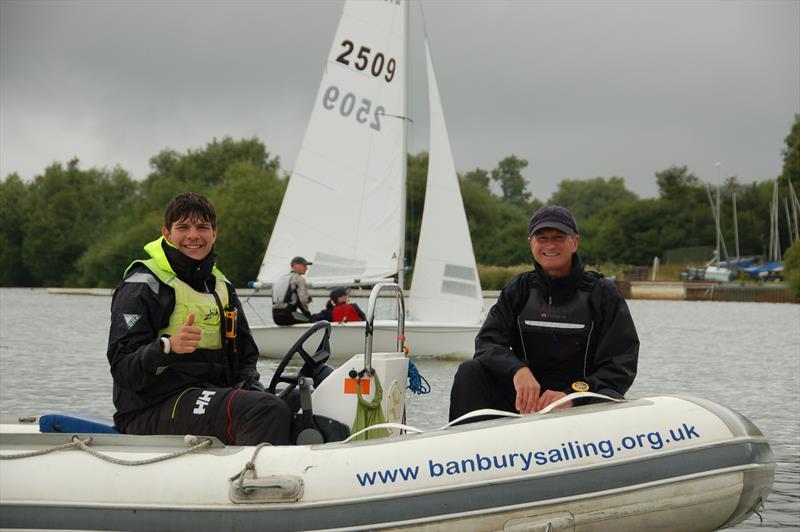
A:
187,299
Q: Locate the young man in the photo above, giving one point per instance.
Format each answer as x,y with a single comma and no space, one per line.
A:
555,330
290,298
175,370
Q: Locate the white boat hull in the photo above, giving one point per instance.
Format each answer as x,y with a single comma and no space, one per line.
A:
661,463
424,339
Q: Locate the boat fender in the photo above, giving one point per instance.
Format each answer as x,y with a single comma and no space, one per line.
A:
395,406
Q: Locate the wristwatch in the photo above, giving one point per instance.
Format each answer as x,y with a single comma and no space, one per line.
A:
580,386
165,344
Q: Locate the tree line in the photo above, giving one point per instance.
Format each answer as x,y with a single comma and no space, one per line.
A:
72,226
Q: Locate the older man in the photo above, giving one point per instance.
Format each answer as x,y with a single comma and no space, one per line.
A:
555,330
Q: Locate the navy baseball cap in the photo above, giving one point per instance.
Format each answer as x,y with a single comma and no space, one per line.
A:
300,260
338,292
553,217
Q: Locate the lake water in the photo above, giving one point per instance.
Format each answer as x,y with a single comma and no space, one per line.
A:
743,355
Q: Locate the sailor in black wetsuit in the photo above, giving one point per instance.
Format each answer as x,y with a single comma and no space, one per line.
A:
554,330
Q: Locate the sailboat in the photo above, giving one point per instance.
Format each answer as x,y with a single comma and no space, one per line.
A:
344,207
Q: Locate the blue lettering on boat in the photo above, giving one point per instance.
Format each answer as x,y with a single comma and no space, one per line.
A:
387,476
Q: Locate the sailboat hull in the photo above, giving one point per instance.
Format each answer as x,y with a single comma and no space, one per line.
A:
424,339
670,464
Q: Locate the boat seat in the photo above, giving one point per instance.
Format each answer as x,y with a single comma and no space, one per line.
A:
76,423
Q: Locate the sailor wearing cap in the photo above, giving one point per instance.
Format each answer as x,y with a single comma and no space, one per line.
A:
554,330
339,309
290,297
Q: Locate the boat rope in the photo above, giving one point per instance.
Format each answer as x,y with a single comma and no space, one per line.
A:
478,413
398,426
577,395
195,442
249,466
253,308
416,382
39,452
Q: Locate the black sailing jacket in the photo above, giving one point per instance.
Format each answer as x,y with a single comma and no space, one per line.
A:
143,375
613,349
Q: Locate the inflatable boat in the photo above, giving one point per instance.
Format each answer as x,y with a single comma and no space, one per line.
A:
669,463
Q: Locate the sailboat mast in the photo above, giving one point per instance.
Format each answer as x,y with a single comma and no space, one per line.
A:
716,219
735,228
788,219
404,163
795,206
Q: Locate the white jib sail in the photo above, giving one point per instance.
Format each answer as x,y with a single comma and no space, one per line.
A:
342,209
445,286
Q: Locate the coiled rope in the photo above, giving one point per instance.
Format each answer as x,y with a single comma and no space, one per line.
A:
195,442
249,466
416,382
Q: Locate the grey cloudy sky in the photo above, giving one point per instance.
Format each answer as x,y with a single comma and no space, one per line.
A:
579,89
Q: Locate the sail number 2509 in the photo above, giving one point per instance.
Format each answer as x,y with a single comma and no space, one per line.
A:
347,105
364,57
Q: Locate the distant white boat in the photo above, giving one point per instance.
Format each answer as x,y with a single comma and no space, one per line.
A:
718,273
344,207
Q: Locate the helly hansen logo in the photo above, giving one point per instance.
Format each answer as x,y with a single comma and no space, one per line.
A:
131,319
202,402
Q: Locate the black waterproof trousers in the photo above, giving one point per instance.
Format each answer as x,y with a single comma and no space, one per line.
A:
234,416
288,317
474,388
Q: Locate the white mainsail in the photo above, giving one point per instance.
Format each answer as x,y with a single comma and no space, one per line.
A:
344,204
445,286
344,207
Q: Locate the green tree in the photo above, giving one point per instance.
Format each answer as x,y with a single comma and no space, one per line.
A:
13,216
791,154
200,170
508,175
677,183
105,261
416,180
791,268
752,213
69,208
632,233
240,175
588,197
247,201
498,229
478,176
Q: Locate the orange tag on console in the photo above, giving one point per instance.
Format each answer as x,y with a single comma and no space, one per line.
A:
351,383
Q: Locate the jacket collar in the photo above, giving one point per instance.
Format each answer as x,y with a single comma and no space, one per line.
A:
561,287
196,273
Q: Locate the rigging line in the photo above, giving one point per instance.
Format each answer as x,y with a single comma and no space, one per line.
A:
247,301
422,16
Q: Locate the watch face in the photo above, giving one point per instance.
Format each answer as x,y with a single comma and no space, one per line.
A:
580,386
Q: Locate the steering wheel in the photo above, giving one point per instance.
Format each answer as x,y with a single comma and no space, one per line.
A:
313,365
